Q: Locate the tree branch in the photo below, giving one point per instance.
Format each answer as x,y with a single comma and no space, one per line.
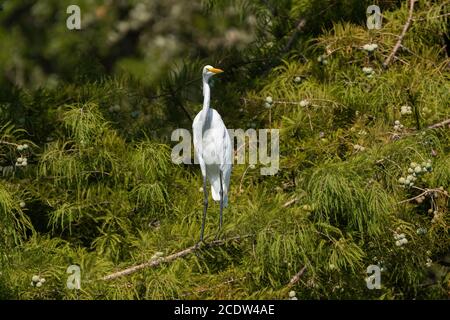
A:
440,124
156,262
290,202
435,17
402,35
424,193
8,143
300,24
297,277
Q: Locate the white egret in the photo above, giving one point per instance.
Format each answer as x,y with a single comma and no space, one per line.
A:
213,149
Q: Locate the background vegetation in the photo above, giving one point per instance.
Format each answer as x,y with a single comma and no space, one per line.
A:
86,176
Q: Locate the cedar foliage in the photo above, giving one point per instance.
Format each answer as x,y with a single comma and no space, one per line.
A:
100,189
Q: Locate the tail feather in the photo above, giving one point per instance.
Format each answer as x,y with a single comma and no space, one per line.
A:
215,192
214,178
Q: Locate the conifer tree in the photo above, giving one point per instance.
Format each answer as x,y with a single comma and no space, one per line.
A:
87,177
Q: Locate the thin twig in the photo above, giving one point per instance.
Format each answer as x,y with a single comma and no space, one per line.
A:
286,102
427,191
290,202
440,124
156,262
297,277
242,180
402,35
435,17
8,143
397,58
174,90
299,26
192,81
414,133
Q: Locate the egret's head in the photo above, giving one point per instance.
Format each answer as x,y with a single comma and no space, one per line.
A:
209,71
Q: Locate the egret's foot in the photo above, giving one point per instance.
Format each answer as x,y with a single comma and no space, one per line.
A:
197,247
198,244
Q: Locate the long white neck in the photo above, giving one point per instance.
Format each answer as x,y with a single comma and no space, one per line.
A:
206,95
206,99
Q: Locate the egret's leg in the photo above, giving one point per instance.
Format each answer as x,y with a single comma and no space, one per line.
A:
221,200
221,204
205,207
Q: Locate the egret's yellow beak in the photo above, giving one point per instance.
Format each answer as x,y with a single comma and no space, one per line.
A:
215,70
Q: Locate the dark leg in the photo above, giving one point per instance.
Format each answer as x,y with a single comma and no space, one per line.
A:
205,207
221,200
221,204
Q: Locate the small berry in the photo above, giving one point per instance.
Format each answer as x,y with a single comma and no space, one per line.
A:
367,70
304,103
370,47
322,59
421,231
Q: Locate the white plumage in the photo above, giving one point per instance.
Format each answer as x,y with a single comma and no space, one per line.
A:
213,148
213,151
